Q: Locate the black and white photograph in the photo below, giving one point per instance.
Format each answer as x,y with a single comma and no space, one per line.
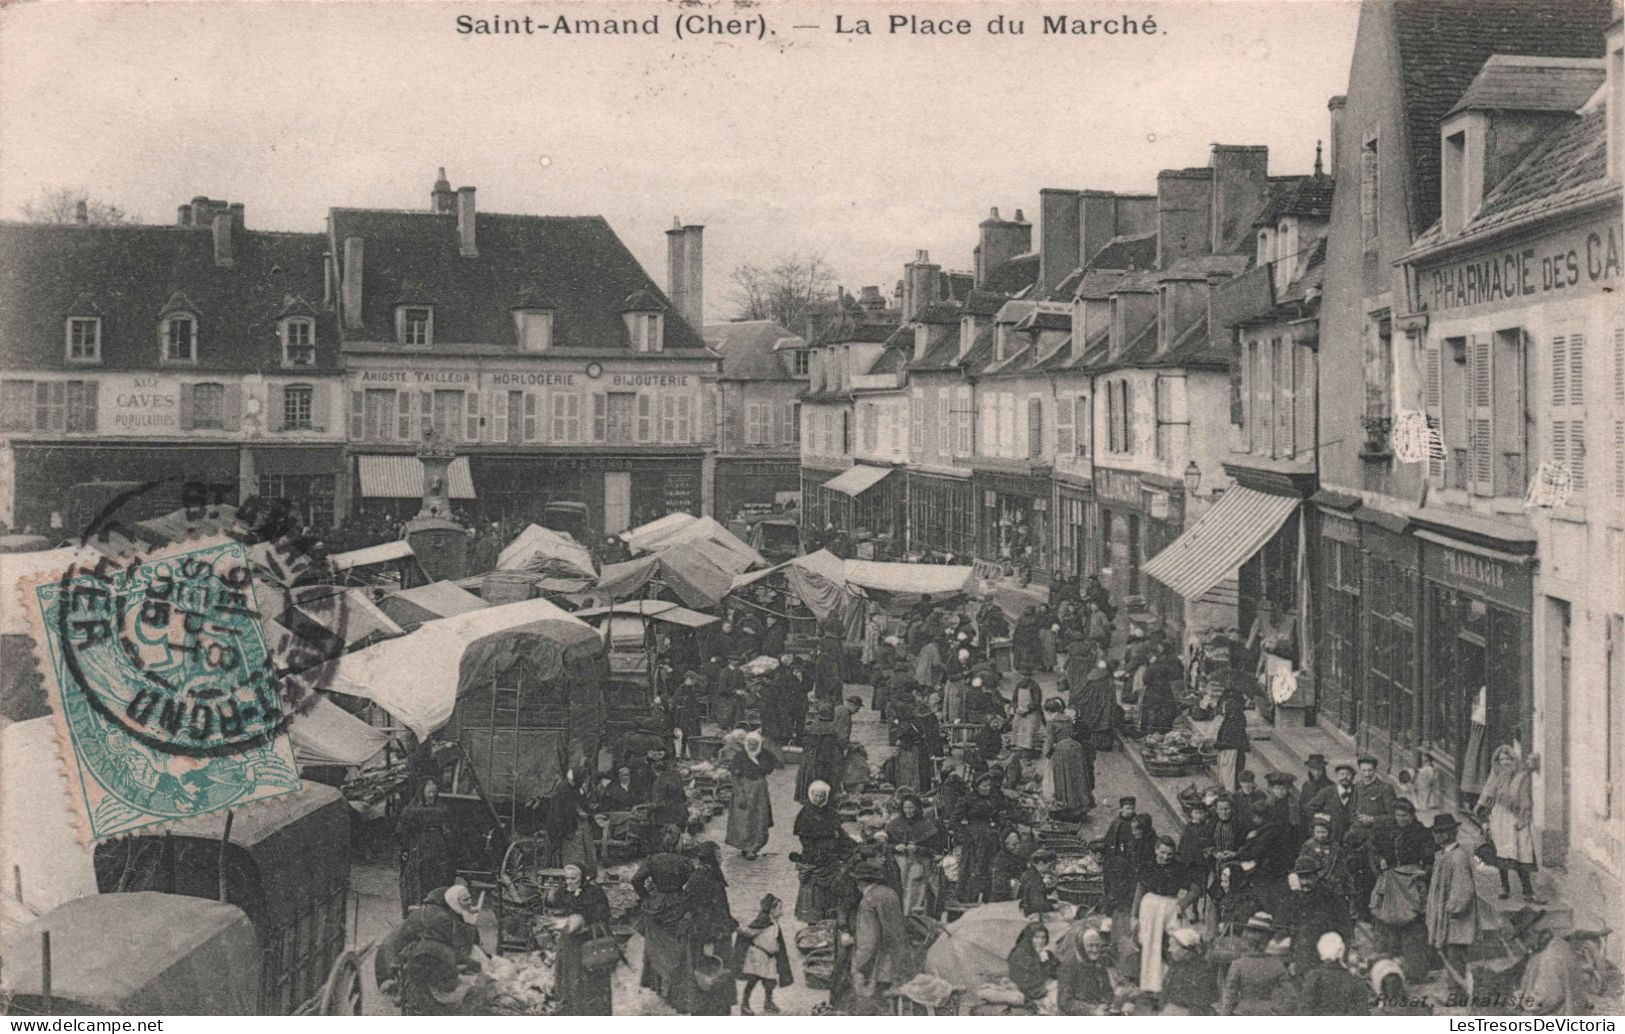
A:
812,508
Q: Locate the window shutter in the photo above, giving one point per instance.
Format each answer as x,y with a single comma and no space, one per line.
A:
186,407
402,405
1433,402
319,407
789,423
1560,400
600,416
1082,424
1035,428
471,416
555,403
499,415
530,416
1619,416
88,421
274,408
426,414
358,416
1480,418
645,417
1577,399
1065,435
778,424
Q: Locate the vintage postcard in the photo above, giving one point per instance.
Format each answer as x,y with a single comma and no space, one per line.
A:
812,508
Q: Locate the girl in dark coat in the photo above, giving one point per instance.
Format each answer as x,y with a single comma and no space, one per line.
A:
583,914
1033,967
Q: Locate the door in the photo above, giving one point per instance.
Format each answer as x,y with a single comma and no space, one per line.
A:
622,414
617,502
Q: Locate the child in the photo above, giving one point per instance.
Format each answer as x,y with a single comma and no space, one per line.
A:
762,957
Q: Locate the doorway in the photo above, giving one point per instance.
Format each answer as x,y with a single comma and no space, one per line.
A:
617,502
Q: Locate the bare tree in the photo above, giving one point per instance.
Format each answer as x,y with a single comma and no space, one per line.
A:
782,292
61,205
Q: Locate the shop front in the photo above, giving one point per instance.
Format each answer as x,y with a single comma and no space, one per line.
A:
941,515
1337,669
752,484
1388,714
309,479
619,491
1072,543
1164,508
56,484
1477,689
1118,541
1014,523
866,502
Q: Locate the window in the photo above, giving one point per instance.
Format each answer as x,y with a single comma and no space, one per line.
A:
535,330
417,325
1379,366
646,417
1370,223
473,415
1281,397
447,415
180,339
646,330
532,421
1238,381
1083,419
1619,423
508,418
16,405
209,405
1568,409
1065,434
1433,404
1035,428
64,406
846,432
916,417
964,417
800,360
757,424
1159,413
943,439
566,413
792,422
84,339
378,415
298,342
297,407
622,417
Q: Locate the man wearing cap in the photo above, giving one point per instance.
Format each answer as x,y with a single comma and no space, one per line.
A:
1250,800
1337,800
1313,784
1373,797
1257,982
1554,982
1452,901
1310,910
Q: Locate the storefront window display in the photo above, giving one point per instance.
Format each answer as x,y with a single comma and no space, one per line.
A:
1072,531
1339,652
940,516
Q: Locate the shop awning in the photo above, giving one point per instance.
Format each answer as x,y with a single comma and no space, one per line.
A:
857,480
401,477
1226,536
383,553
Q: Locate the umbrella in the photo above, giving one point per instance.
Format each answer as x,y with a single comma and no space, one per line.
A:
973,949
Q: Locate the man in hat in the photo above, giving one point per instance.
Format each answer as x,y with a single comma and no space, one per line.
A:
1313,784
1257,982
1119,858
1406,841
1273,843
1452,901
1196,840
1311,909
880,953
1250,800
1373,797
1337,800
979,821
1554,981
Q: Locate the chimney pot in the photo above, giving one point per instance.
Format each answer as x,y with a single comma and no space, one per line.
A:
442,198
183,215
81,212
994,213
1019,217
223,255
467,245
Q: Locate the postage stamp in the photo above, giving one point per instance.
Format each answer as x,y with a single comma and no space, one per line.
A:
161,686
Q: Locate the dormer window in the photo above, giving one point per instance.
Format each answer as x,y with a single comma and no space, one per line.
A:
415,325
801,360
1264,255
647,335
1001,339
535,329
84,339
179,331
298,341
1165,320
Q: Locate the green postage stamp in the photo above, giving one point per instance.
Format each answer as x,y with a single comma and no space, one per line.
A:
161,687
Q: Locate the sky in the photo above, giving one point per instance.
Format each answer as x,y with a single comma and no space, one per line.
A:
861,149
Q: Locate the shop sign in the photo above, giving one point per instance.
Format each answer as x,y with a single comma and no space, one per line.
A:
464,378
1157,505
1120,486
682,492
1575,261
140,405
1491,578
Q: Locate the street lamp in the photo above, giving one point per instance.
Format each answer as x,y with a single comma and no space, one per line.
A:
1193,478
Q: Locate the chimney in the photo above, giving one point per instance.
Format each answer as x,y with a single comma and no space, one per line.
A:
351,287
685,272
921,279
81,212
236,210
183,215
872,300
1184,214
1335,107
465,223
1001,240
1240,188
222,240
1059,243
442,198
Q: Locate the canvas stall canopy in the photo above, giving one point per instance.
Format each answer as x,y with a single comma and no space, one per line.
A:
546,551
411,608
324,733
415,677
42,862
817,580
195,957
368,556
530,704
648,537
685,570
347,617
708,531
934,580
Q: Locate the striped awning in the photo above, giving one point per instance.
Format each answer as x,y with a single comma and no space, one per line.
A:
1226,537
854,481
401,477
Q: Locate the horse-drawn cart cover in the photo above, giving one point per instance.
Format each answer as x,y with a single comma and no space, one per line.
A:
39,846
139,954
913,579
554,722
546,551
414,677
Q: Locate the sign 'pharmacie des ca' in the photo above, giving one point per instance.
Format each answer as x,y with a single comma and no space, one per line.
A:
1577,260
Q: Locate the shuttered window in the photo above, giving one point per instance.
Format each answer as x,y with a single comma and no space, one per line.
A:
1478,405
916,418
1568,409
403,408
600,416
1619,421
685,419
1083,423
508,416
1035,428
1433,401
1065,434
472,430
531,423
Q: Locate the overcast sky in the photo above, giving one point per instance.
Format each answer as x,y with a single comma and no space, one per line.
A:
862,149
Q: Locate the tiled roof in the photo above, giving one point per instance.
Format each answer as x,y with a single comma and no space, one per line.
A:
1142,348
1513,83
1568,167
1058,358
1444,43
1137,281
984,303
1012,276
892,360
747,349
1044,319
957,286
1305,197
577,262
870,328
939,356
1095,351
1067,288
1018,361
1195,348
1309,275
1137,252
1098,284
938,312
1199,267
128,275
981,350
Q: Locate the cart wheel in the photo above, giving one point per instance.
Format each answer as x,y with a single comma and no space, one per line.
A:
341,995
525,857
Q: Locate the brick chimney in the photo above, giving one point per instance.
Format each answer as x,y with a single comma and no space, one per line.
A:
1240,188
871,299
685,271
1059,244
223,254
1001,240
1334,108
921,279
1184,214
467,246
442,198
81,212
351,294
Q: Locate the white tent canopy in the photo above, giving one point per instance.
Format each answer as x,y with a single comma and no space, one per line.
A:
383,553
647,537
921,579
41,857
545,550
324,733
414,677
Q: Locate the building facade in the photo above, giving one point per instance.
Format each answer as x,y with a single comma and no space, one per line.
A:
765,369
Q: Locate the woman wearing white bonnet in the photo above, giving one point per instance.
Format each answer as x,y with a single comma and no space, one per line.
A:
1329,989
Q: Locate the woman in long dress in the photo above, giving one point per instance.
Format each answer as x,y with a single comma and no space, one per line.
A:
426,857
823,847
1508,798
584,914
918,842
750,812
1163,890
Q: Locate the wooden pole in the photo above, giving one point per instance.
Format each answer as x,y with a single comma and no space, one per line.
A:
17,881
45,970
225,840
